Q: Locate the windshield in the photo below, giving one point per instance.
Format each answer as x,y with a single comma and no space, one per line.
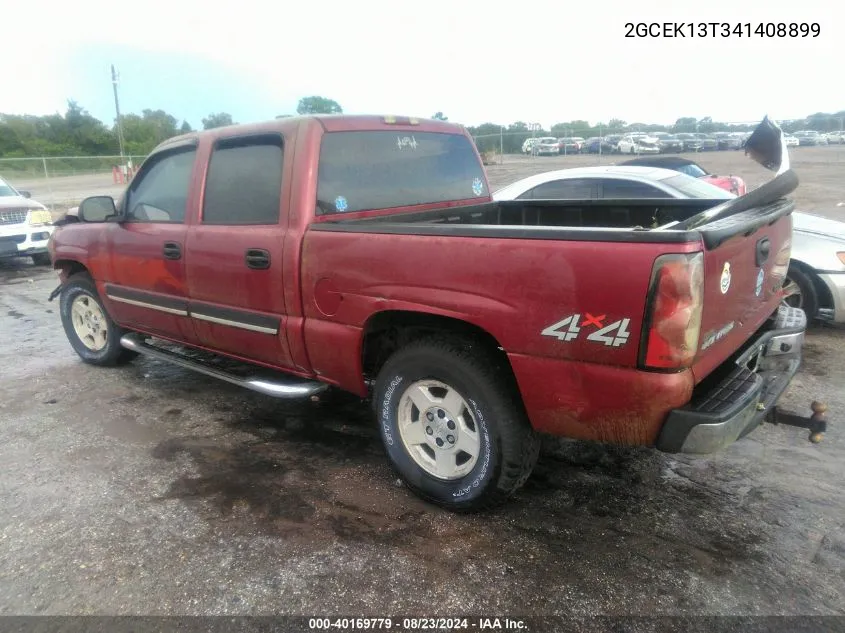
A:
694,188
6,190
548,141
691,170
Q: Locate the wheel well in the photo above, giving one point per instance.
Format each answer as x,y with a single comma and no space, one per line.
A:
822,291
69,267
386,332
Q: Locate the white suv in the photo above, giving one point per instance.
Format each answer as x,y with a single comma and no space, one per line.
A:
25,226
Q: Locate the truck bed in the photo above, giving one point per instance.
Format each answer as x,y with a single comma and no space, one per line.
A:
644,221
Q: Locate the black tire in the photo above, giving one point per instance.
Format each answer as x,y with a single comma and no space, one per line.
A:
41,259
112,353
508,446
809,298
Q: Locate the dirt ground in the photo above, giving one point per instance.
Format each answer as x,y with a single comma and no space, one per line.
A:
151,490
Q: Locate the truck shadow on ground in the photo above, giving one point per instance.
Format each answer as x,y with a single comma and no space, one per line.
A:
316,473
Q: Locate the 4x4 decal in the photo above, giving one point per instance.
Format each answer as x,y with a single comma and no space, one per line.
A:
569,329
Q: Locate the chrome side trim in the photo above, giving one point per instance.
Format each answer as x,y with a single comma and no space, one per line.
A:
238,324
283,387
151,306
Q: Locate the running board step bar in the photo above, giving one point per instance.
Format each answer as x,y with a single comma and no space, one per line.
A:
277,387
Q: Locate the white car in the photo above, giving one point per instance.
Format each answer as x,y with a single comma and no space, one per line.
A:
614,181
25,226
639,144
547,146
791,141
835,138
528,144
815,280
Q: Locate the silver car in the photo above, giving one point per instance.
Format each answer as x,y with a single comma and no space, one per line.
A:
816,277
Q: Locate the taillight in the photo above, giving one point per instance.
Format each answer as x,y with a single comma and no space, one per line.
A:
673,313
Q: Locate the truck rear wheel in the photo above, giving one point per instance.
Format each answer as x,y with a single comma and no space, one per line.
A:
453,425
88,326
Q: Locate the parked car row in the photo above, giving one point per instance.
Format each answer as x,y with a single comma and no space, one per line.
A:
665,143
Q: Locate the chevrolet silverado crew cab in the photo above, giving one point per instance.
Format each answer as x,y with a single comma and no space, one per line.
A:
366,253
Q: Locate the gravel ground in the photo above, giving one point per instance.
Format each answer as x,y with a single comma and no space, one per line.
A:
150,490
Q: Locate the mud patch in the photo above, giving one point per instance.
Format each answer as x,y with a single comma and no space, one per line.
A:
316,472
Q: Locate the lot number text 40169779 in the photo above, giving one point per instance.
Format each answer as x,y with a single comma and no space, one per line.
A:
722,29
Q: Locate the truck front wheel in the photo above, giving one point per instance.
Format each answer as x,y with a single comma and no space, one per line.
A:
453,425
89,328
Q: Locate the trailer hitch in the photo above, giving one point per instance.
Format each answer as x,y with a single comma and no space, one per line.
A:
816,424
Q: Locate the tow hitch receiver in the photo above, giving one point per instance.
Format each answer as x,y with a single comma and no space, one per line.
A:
816,424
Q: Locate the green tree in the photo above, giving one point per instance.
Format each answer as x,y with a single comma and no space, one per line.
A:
219,119
142,133
438,116
318,105
487,137
186,128
684,124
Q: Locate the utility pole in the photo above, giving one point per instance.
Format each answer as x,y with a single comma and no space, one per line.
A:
114,77
534,128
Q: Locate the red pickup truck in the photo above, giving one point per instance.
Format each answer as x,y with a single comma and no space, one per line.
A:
366,253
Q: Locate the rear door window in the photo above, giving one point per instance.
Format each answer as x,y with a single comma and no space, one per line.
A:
244,181
383,170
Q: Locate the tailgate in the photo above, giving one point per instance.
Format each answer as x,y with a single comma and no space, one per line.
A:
744,270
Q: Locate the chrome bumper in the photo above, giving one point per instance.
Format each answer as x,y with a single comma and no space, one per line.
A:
749,386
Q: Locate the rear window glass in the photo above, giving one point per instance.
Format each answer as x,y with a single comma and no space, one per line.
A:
382,170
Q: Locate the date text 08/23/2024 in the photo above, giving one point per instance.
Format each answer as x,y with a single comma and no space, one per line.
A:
722,29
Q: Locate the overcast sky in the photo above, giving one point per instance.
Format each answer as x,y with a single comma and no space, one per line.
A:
474,60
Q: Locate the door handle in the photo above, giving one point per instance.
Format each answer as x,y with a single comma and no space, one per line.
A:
763,248
172,250
257,258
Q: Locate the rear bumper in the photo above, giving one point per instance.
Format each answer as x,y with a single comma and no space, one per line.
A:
735,399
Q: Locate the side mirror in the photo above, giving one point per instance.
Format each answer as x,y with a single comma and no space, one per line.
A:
25,194
97,209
